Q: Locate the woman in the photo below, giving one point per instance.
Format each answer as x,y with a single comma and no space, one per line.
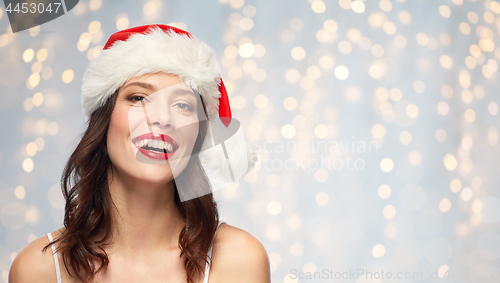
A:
126,219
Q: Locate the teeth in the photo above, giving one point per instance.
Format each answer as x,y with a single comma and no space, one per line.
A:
155,144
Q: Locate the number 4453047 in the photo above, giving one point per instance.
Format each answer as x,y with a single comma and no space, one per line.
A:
32,8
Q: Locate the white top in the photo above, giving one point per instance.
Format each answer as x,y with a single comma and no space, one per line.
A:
58,270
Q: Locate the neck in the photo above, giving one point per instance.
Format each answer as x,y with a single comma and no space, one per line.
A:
146,218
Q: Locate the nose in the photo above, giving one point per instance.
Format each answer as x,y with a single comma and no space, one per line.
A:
158,114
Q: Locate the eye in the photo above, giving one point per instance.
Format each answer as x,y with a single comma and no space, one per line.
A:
184,106
137,98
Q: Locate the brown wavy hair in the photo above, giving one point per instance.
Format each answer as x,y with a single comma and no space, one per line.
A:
87,218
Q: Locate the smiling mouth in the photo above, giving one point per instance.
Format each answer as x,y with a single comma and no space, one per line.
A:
155,145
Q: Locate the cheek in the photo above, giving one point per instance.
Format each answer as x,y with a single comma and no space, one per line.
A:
118,130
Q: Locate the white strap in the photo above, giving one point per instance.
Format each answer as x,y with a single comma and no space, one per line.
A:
56,260
209,257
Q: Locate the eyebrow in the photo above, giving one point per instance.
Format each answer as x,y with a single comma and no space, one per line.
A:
142,84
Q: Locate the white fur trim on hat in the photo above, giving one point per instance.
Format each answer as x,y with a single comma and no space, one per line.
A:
157,51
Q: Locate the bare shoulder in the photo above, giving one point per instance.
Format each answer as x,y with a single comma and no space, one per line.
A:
238,257
34,265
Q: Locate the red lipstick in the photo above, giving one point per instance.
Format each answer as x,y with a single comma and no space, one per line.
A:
156,146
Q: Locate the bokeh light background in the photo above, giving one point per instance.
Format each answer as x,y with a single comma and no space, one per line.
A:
376,125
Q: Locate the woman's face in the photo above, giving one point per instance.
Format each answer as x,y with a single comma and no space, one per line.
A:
153,128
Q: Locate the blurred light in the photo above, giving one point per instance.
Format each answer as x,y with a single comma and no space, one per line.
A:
236,4
249,66
95,4
260,101
28,55
322,198
292,76
31,149
122,21
446,61
34,80
290,103
47,73
404,17
36,67
378,250
384,191
440,135
259,75
405,137
443,108
377,50
313,72
249,11
466,194
37,99
444,11
20,192
467,143
298,53
412,110
445,39
419,86
341,72
345,47
28,104
455,185
288,131
358,6
493,108
354,35
94,27
326,62
246,50
477,206
68,76
318,6
52,128
378,131
450,162
385,5
389,211
294,222
231,51
246,24
321,131
470,115
464,28
345,4
274,208
386,165
445,205
28,165
330,25
389,28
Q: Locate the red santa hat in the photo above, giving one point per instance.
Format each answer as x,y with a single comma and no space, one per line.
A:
157,48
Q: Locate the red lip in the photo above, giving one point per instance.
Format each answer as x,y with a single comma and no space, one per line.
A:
154,154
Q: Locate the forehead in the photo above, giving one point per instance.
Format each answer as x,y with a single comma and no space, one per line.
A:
159,82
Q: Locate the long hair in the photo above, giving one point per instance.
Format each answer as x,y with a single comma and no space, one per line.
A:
87,217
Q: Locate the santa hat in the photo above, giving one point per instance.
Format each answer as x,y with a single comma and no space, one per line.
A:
157,48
